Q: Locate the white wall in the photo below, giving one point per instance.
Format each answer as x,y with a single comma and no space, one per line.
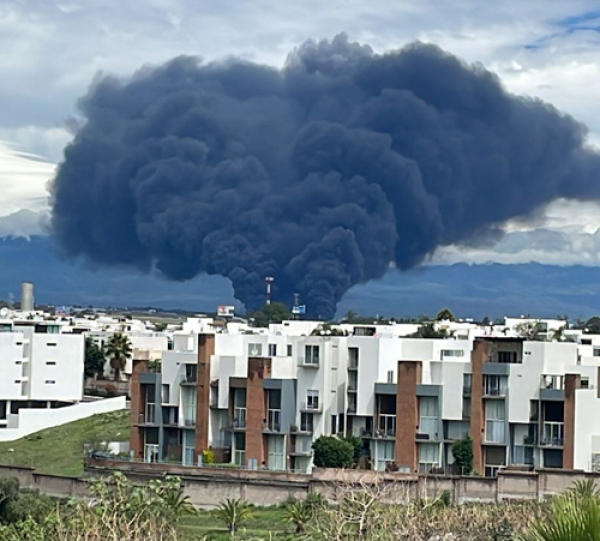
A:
587,426
29,421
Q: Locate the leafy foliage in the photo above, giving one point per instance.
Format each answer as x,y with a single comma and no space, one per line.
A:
428,330
462,450
445,315
93,360
332,452
118,350
233,513
275,312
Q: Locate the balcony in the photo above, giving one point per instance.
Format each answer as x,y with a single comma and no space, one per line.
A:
386,426
302,447
308,362
239,418
189,423
273,423
554,434
311,406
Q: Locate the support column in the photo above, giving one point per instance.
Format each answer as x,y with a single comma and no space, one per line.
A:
479,355
206,349
407,414
139,366
259,368
572,383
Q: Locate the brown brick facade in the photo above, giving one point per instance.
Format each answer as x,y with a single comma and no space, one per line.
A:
139,366
479,355
572,383
259,368
206,348
407,414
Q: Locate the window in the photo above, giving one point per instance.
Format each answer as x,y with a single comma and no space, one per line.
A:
334,425
386,454
494,385
276,453
18,362
311,355
585,383
507,357
390,376
272,350
452,353
586,341
254,350
467,383
494,421
165,394
51,344
306,422
50,382
189,447
312,399
353,358
466,409
428,410
522,455
191,373
429,457
289,350
51,363
596,352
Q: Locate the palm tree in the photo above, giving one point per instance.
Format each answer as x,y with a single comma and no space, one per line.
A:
299,514
118,350
233,513
574,516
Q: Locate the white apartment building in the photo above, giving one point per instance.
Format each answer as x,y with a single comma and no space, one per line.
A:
260,397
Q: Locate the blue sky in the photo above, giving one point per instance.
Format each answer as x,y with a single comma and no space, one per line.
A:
52,50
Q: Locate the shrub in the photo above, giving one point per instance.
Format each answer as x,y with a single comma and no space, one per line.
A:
208,457
462,450
332,452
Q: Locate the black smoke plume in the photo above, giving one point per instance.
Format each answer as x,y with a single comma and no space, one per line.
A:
320,174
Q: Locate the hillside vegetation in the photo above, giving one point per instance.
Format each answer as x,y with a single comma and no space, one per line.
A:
59,450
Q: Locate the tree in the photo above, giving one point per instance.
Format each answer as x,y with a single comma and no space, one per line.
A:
118,350
592,326
462,451
93,359
445,315
350,316
428,331
275,312
332,452
357,446
486,321
530,330
233,513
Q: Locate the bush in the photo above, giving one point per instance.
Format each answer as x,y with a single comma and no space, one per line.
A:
332,452
208,457
357,446
462,450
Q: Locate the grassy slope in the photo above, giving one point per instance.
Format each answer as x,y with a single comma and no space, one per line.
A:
59,450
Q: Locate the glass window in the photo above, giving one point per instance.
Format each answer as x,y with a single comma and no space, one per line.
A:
272,350
311,354
254,350
289,350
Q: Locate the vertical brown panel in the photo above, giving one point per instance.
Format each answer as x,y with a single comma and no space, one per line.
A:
139,366
206,348
479,355
258,369
572,383
407,414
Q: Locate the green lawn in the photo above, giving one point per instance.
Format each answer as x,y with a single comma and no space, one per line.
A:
59,450
264,520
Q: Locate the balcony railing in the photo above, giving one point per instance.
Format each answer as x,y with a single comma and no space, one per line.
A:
387,424
239,418
554,434
274,420
312,405
309,362
190,423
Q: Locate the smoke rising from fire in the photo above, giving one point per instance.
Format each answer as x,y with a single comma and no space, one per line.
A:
320,174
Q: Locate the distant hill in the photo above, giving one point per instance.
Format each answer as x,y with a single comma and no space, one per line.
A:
478,290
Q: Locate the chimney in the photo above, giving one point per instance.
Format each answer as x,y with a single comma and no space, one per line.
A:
27,299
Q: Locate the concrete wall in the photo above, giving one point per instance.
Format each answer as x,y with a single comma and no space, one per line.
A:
207,487
34,420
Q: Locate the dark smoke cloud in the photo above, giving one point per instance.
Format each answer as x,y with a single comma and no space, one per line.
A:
320,174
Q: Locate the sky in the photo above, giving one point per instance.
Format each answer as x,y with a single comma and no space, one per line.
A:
53,50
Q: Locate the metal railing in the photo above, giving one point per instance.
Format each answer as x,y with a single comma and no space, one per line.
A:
387,424
554,434
274,420
239,418
310,362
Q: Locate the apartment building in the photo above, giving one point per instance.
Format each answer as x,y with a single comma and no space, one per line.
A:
259,398
40,366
